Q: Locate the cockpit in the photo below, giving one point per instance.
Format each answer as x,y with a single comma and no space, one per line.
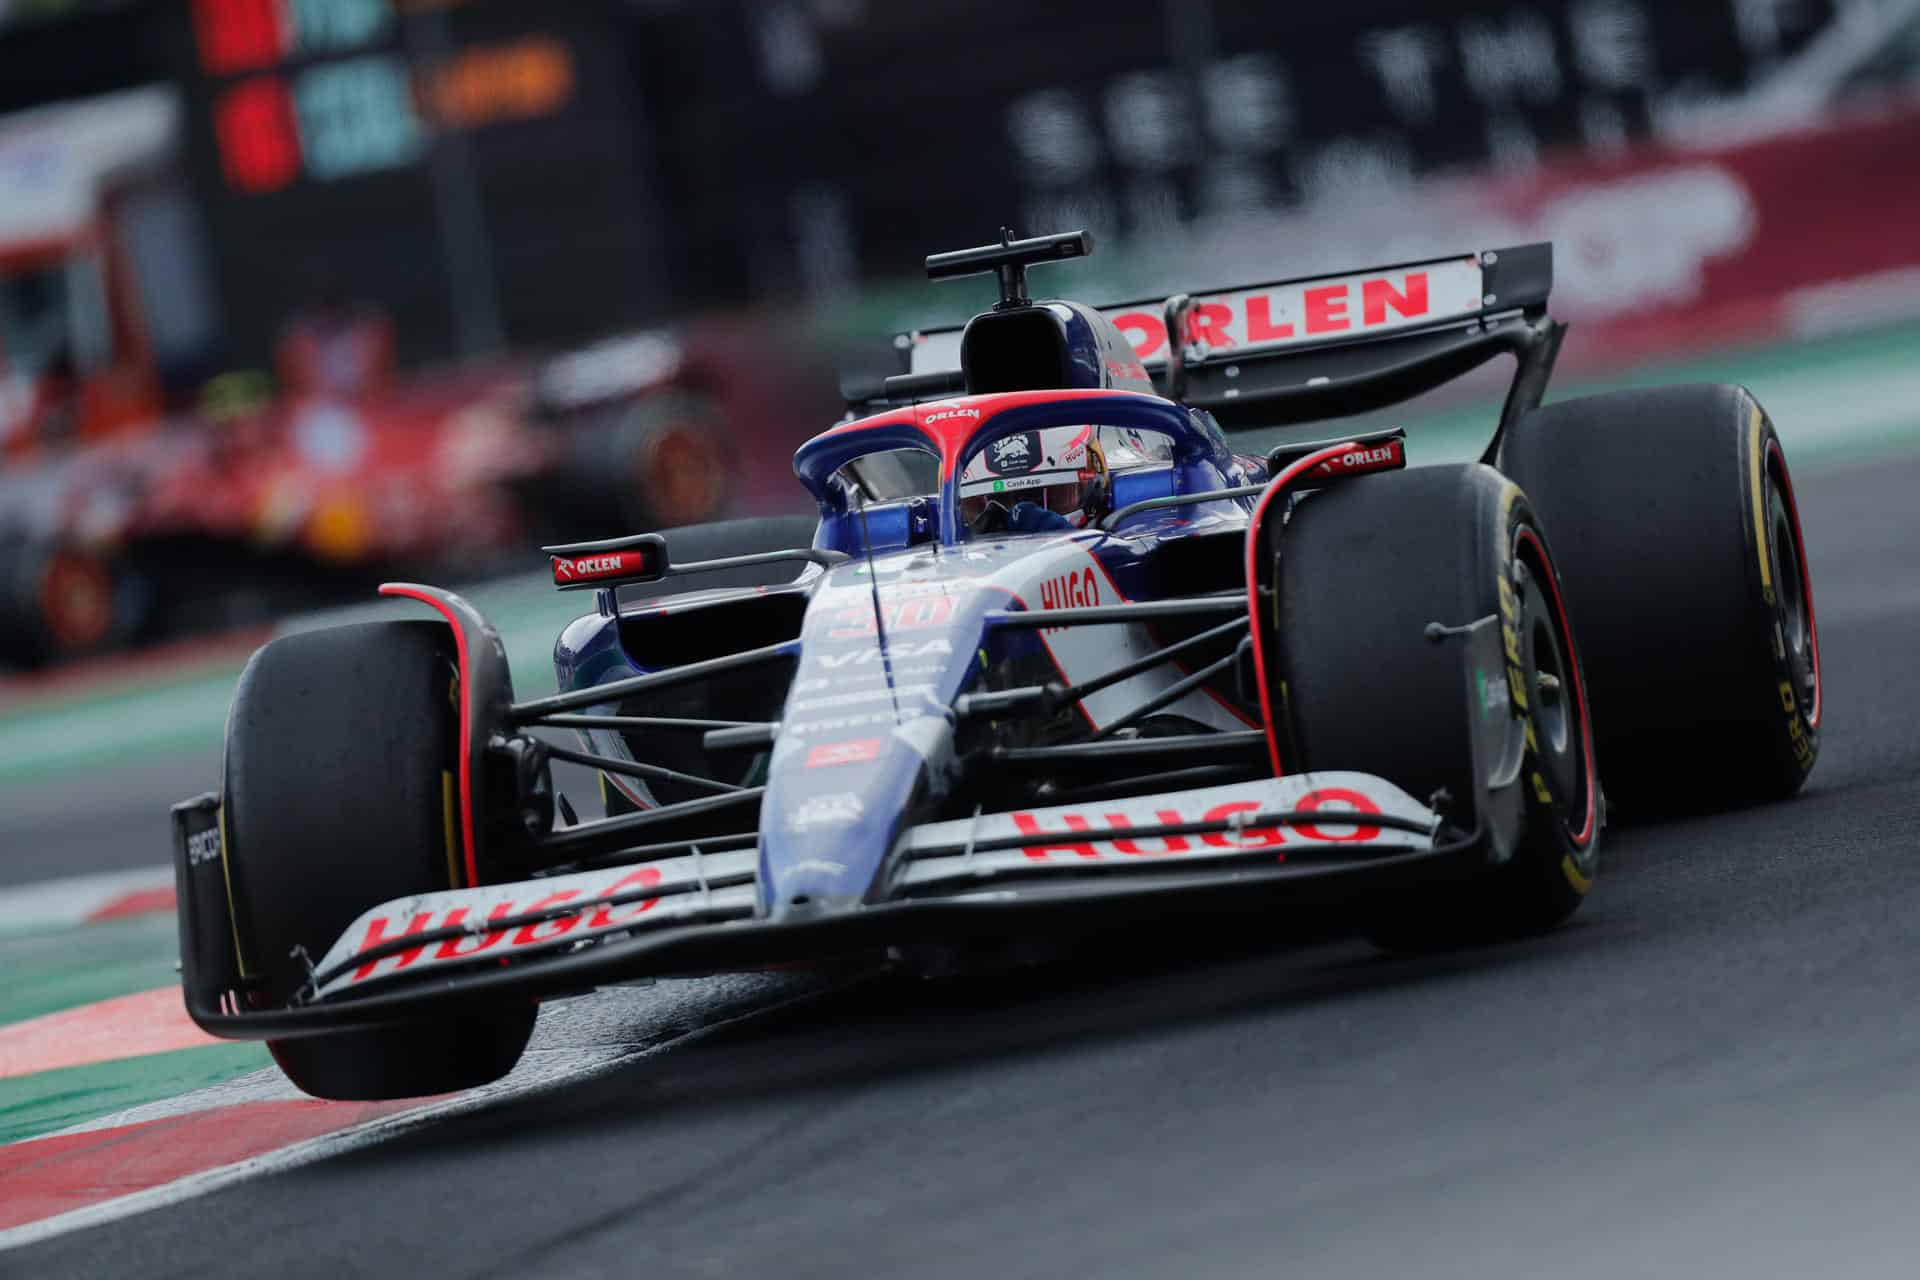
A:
991,466
1034,481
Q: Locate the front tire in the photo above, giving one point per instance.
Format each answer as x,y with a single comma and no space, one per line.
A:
1364,568
341,746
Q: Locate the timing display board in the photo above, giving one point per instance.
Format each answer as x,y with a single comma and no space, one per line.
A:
462,164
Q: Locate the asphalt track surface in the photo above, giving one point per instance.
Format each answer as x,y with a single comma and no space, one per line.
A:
1714,1071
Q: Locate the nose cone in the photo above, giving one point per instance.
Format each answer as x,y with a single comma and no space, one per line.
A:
834,806
867,733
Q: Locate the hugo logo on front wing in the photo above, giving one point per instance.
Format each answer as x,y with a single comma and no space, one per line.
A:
510,938
1081,838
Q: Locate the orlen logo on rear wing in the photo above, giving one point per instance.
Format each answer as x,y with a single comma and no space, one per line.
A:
1290,313
1281,315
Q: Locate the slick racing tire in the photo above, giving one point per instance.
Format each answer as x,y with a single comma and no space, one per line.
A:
1364,569
339,747
1673,515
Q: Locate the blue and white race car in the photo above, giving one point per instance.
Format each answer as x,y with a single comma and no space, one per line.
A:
1056,653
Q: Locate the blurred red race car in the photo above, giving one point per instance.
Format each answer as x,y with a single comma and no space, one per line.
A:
229,517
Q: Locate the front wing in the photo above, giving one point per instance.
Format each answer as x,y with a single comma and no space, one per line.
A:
695,912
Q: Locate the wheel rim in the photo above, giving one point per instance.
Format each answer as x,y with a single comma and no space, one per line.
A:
1556,696
76,600
1796,640
1793,601
1548,689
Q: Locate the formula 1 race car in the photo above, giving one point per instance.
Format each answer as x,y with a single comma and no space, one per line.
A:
1056,653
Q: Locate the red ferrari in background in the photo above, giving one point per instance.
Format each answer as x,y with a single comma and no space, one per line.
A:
222,518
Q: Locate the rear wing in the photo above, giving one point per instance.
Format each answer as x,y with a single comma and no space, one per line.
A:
1312,347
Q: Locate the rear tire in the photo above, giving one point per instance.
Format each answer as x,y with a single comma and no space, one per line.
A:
1685,570
340,750
1364,569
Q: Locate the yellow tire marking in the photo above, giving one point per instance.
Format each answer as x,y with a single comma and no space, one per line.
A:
1509,608
1581,883
233,917
1756,465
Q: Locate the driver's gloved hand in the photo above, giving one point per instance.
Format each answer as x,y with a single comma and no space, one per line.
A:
1031,517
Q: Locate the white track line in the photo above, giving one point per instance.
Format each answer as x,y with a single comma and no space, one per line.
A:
535,1076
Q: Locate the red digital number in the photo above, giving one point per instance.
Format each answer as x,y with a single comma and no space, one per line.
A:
259,147
238,35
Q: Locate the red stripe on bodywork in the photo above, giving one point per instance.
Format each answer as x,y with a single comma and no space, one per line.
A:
1287,476
466,718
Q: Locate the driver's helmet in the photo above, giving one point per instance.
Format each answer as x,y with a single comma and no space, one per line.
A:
1063,470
